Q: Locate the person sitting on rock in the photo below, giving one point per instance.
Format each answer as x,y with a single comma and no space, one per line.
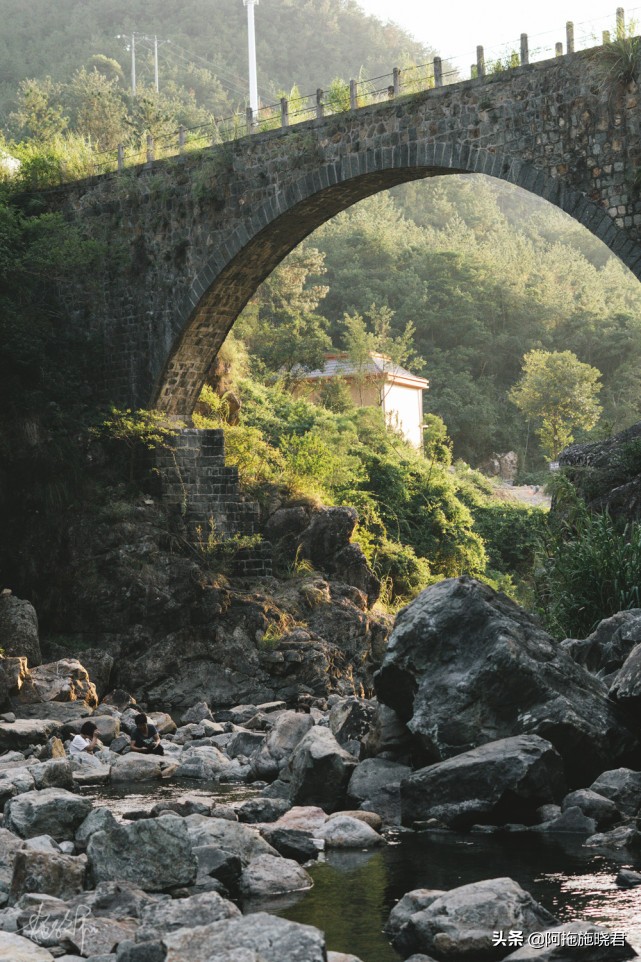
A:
146,738
86,741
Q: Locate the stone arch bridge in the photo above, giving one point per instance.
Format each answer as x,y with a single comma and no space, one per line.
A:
189,240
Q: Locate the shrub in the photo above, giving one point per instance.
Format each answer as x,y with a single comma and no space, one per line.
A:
589,569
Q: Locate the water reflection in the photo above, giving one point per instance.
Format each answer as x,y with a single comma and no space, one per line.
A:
354,892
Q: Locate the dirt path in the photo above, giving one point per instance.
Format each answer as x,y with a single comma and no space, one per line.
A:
531,494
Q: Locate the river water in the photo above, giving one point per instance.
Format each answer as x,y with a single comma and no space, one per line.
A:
354,892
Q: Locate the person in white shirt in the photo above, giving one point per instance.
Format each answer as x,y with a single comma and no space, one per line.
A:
86,741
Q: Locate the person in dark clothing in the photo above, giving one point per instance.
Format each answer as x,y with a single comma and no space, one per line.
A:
146,738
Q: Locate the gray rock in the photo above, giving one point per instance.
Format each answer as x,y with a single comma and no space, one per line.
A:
45,843
99,664
262,809
183,806
21,734
271,938
411,903
289,729
351,719
244,743
343,831
118,900
15,781
50,873
15,948
54,773
500,782
627,879
205,762
217,863
64,680
292,843
465,666
155,854
375,786
19,629
98,820
10,844
626,688
622,838
605,650
601,809
622,786
52,811
460,923
161,918
196,714
572,821
268,875
240,840
320,771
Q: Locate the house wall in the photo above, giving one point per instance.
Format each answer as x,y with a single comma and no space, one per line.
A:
403,408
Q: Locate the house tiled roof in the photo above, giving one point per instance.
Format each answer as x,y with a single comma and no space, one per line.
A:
378,365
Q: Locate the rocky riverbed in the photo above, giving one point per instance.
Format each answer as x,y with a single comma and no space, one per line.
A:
481,724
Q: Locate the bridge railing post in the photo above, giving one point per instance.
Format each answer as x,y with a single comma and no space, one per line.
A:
284,112
320,106
181,139
438,72
525,50
121,158
150,149
558,49
353,99
569,34
249,120
620,23
605,37
397,81
480,62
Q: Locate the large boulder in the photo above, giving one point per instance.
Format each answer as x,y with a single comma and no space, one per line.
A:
136,767
155,854
320,771
504,781
266,937
15,948
10,845
20,734
290,727
162,918
604,651
240,840
626,687
268,875
52,811
375,786
623,787
466,666
19,628
459,924
350,720
64,680
51,873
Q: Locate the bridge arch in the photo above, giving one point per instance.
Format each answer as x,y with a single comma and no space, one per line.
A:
230,277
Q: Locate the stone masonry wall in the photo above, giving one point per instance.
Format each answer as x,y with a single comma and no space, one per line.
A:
195,481
189,240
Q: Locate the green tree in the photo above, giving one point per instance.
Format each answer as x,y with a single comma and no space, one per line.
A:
560,392
40,114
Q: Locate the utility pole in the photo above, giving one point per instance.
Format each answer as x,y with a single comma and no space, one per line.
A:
251,43
133,65
156,64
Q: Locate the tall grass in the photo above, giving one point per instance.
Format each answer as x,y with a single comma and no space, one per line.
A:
589,569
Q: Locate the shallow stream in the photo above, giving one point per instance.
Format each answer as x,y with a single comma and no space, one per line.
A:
354,892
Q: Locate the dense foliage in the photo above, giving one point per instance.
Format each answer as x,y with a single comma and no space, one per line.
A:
588,568
204,62
486,274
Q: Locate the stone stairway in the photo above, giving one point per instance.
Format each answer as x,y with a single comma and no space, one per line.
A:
196,481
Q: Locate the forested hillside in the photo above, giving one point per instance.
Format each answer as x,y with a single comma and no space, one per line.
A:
304,42
486,273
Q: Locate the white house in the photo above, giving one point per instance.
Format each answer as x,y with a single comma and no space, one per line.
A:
380,383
